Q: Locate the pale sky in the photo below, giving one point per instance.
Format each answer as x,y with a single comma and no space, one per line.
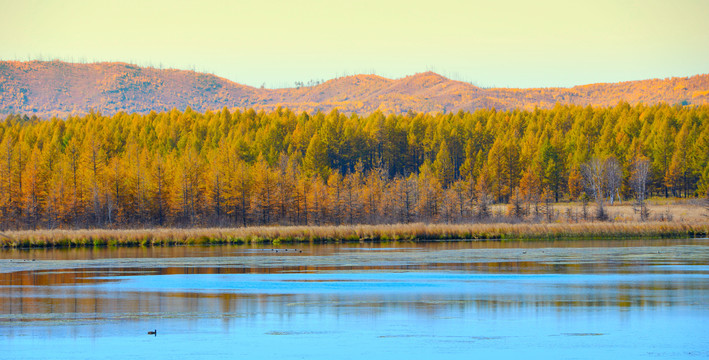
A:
522,43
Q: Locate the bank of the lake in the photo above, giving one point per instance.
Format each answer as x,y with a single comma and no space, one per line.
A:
349,233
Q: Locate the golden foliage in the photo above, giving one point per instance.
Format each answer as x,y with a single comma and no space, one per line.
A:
223,168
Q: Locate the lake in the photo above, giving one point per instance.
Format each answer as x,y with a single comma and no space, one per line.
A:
631,299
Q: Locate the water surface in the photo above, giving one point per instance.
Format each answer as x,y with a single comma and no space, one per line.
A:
559,299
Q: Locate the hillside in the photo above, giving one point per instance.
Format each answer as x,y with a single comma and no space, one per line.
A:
59,88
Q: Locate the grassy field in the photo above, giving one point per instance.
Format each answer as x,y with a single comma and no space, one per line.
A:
373,233
668,220
661,209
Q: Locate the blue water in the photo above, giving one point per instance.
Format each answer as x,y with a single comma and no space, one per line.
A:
654,311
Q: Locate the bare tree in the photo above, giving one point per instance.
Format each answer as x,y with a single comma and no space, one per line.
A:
595,182
483,205
614,178
638,180
548,198
516,207
410,196
483,199
571,215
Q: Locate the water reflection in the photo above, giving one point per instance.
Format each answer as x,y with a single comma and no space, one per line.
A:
105,297
442,300
324,249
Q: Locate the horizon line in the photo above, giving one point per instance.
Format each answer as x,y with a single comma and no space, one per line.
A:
345,74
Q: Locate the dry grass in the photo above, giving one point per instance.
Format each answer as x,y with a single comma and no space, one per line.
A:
396,232
661,209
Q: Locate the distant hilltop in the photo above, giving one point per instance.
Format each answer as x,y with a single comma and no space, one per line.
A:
55,88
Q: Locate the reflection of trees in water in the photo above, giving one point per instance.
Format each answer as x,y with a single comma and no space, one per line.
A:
34,300
87,295
251,250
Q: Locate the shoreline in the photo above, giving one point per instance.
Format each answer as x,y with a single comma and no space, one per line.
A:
396,257
418,232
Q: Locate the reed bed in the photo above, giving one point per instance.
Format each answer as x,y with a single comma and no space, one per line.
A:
352,233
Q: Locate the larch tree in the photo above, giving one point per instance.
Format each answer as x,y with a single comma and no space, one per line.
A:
161,189
315,161
243,191
7,197
34,191
680,165
265,186
552,168
663,141
352,189
430,192
183,168
443,165
336,195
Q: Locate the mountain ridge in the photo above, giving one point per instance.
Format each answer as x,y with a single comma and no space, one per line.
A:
55,88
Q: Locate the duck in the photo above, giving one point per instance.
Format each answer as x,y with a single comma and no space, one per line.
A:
154,332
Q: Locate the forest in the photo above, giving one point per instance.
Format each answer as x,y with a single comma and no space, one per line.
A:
248,167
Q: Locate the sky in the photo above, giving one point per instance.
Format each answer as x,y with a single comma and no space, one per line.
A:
504,43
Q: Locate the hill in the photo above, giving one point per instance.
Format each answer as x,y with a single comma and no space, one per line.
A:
49,88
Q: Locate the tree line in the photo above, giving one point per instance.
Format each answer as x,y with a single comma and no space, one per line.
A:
243,167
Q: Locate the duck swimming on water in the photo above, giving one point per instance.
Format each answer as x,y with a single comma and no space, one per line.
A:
154,332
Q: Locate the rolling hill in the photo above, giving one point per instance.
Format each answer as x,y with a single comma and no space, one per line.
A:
55,88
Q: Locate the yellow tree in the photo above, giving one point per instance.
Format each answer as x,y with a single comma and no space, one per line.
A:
374,184
680,166
241,190
575,183
73,161
315,161
265,186
94,156
459,191
336,187
443,165
161,180
662,145
217,167
191,194
7,200
352,189
503,167
115,173
35,189
430,192
286,191
318,197
303,185
531,186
